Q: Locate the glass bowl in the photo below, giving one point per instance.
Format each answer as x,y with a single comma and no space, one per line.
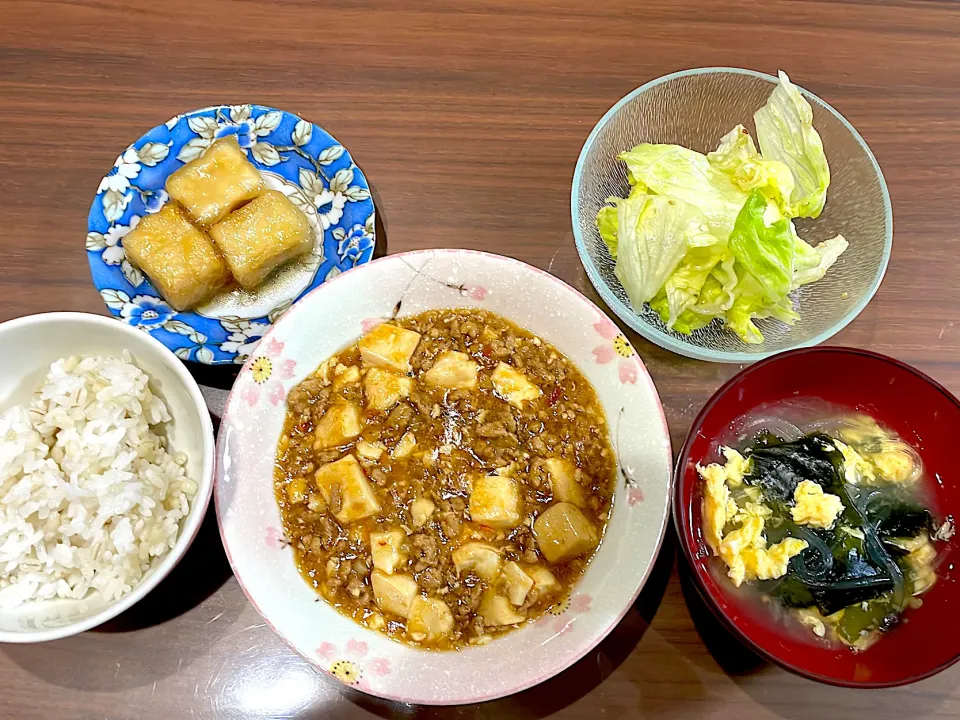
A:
695,108
925,415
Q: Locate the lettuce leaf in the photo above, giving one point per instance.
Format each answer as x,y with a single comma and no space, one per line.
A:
766,252
688,176
654,232
785,132
607,225
684,287
825,255
737,156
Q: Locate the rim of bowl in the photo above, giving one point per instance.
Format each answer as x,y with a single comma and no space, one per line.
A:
661,532
665,340
193,521
688,550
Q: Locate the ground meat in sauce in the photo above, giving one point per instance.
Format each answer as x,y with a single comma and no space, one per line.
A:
423,457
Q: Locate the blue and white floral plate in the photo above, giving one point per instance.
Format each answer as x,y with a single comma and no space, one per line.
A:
296,157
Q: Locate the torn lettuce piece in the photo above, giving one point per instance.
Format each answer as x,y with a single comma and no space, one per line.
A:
607,225
688,176
786,134
767,252
737,156
654,232
817,260
685,284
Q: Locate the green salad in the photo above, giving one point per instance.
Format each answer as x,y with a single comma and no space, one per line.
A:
702,237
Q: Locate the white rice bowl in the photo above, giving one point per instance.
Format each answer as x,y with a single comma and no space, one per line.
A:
90,493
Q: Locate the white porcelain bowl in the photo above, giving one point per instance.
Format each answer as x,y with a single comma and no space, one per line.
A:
334,316
30,344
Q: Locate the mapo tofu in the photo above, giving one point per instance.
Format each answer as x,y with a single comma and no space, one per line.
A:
178,257
446,479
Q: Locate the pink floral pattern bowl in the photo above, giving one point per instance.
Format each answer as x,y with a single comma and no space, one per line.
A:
335,315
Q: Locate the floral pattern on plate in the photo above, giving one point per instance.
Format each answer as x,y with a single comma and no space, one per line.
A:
309,166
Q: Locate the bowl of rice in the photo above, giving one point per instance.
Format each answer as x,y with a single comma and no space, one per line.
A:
106,470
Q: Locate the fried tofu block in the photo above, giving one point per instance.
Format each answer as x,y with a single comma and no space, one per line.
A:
495,502
387,551
479,558
452,370
563,532
216,183
513,386
496,610
179,258
429,619
344,482
563,482
394,593
339,424
261,236
516,583
384,389
388,346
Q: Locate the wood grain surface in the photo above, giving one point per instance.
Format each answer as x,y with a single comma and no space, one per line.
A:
467,118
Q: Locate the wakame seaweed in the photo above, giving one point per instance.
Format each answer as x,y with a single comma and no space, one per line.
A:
838,569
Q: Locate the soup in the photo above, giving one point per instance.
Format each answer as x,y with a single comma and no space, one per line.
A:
445,479
827,519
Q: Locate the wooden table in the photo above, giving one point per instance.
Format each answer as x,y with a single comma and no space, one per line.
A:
467,118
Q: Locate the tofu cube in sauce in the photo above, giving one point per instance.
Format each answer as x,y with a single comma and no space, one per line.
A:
394,593
452,370
495,502
343,483
261,236
383,389
513,386
478,558
429,619
390,347
339,424
563,482
179,258
216,183
516,583
563,532
387,550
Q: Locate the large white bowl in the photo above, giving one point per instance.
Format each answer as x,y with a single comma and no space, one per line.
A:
30,344
334,316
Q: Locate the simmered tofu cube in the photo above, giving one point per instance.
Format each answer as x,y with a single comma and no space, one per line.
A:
339,424
390,347
387,550
495,502
261,236
429,619
563,532
452,370
479,558
420,511
513,386
563,482
405,446
179,258
394,593
496,610
369,450
344,376
384,389
516,583
216,183
344,482
545,583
